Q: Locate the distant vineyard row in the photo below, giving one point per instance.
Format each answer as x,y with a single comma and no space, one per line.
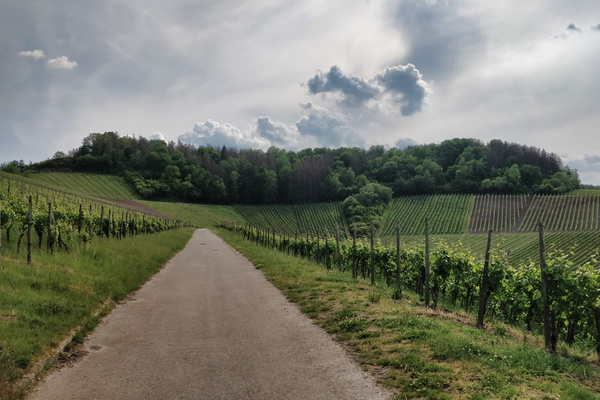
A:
447,214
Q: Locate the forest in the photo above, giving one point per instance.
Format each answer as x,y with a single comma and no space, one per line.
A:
177,171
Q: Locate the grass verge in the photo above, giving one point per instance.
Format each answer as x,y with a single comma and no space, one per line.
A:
419,352
42,304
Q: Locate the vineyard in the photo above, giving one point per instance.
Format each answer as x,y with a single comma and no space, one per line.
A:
501,213
57,218
108,186
446,275
563,213
451,275
447,214
291,219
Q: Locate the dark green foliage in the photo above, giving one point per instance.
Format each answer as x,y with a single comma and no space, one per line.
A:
159,170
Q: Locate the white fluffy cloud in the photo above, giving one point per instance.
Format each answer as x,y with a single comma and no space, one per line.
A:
157,136
61,63
213,133
37,54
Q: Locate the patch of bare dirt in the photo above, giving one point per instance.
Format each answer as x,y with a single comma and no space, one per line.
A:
134,205
68,358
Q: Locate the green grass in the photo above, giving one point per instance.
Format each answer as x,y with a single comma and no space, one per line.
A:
419,352
198,215
41,304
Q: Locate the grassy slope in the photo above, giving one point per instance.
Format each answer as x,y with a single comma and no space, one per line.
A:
199,215
87,184
419,352
41,304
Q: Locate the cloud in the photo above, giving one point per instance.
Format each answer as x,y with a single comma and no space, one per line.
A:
214,133
406,87
586,164
441,36
277,133
585,160
399,85
596,28
573,27
157,136
61,63
403,143
354,91
37,54
327,128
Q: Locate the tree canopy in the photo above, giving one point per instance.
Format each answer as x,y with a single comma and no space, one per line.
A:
205,174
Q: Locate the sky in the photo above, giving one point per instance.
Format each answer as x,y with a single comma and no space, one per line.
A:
313,73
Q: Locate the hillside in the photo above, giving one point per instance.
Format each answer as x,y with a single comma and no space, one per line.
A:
393,342
156,170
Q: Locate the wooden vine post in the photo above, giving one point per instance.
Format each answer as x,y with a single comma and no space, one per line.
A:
50,244
101,228
549,341
79,218
372,254
29,229
318,253
426,262
0,221
597,318
483,289
337,244
354,258
327,255
90,225
397,295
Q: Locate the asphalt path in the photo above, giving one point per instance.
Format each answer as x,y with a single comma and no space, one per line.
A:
209,326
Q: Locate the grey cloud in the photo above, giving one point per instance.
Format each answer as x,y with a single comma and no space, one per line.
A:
355,91
403,85
585,160
406,85
596,28
573,27
403,143
587,165
440,38
275,132
327,128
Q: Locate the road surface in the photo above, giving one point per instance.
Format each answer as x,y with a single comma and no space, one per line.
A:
209,326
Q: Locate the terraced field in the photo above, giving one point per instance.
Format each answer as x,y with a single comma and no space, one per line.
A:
108,186
447,214
572,222
289,219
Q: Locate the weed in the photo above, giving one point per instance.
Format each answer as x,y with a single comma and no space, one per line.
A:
375,296
353,325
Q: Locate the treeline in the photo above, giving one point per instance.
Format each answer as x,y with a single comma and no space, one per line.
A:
160,170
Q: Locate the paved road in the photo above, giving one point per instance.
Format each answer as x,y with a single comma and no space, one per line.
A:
209,326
